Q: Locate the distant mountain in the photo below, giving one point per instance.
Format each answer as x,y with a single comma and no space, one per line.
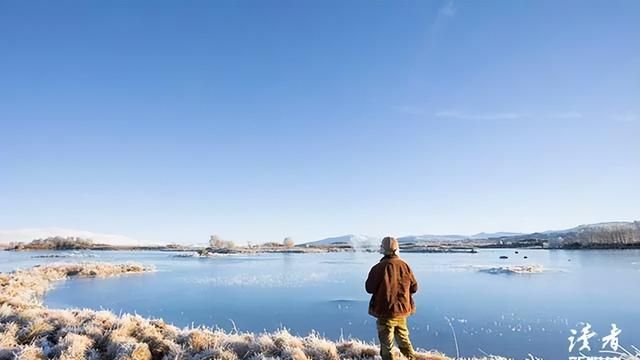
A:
484,235
351,239
602,235
430,238
367,241
452,238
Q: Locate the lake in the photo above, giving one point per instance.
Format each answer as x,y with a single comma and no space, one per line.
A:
506,314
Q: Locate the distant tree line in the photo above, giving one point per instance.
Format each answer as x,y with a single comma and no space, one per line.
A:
54,243
606,236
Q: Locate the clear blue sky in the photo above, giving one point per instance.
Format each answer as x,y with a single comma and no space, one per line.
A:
256,120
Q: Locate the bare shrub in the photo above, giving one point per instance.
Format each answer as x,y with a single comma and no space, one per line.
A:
288,243
217,242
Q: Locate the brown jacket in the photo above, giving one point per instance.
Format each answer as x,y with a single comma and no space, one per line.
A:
391,283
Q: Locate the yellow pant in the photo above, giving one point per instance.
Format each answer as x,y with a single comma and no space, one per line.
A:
388,329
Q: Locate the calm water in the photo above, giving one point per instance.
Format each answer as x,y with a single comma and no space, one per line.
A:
511,315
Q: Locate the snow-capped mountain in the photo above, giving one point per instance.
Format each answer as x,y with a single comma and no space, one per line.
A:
357,240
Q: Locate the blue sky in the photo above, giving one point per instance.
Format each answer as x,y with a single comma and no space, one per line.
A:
168,121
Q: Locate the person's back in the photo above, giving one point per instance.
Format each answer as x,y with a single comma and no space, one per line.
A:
392,284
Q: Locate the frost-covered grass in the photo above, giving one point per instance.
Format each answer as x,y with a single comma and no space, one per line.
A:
28,330
25,288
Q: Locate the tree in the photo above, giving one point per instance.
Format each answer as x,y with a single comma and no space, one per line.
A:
288,242
215,241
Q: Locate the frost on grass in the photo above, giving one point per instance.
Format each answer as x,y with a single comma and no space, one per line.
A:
29,330
25,288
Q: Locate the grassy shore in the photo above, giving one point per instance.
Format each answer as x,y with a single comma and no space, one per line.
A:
28,330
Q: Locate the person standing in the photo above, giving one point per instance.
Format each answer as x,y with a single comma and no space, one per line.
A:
391,284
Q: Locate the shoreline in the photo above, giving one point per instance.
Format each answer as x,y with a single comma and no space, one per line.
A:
29,330
205,252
